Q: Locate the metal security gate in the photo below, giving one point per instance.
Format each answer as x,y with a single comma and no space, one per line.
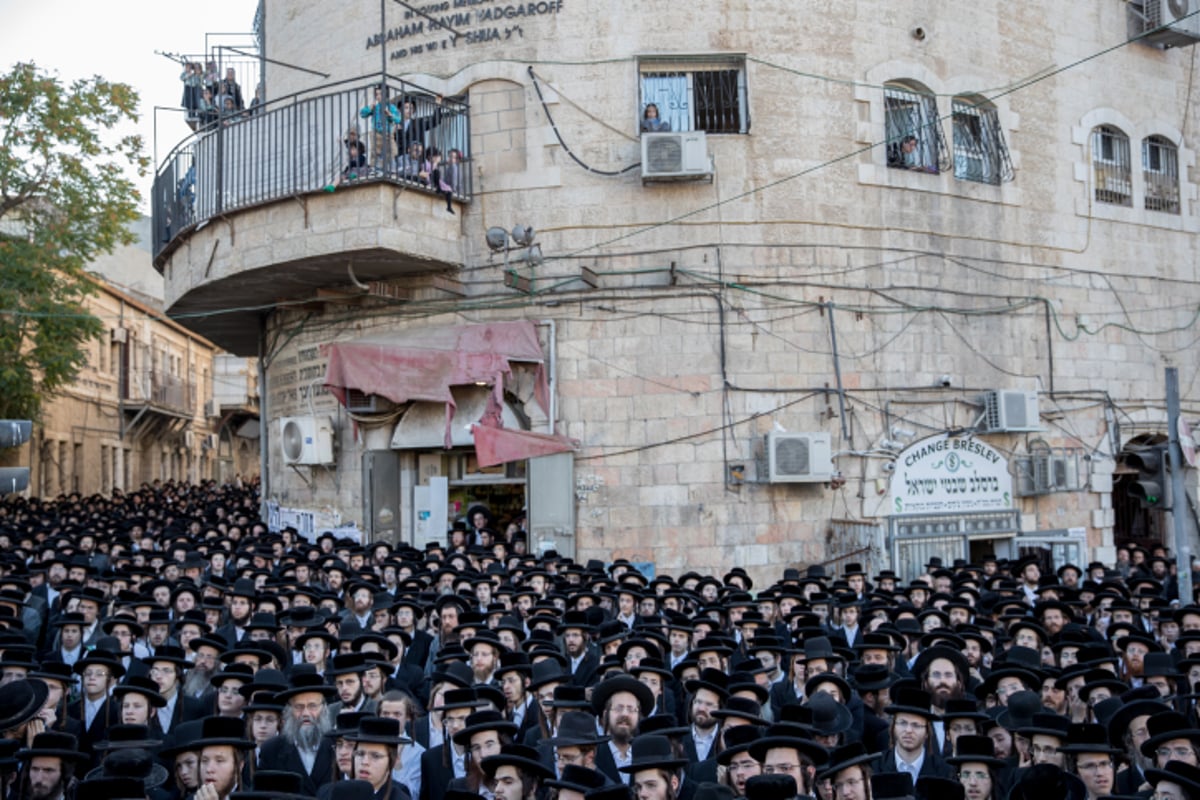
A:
914,540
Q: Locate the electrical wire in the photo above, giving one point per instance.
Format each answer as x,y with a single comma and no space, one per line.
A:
558,135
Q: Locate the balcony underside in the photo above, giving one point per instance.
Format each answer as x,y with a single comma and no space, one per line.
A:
223,277
228,311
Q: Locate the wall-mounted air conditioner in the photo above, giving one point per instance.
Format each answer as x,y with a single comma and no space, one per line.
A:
119,335
675,157
189,439
1047,472
306,440
1170,23
799,457
1010,411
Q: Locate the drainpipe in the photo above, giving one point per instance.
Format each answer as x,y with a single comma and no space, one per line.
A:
263,428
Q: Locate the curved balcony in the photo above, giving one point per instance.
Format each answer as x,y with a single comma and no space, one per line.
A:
265,205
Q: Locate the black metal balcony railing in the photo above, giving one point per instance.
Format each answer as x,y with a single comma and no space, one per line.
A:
299,145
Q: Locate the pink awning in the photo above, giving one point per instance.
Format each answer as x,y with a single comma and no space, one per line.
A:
423,364
500,445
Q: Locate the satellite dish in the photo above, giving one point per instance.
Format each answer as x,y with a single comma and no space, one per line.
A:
497,239
523,235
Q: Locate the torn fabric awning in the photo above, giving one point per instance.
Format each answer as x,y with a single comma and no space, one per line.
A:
422,364
500,445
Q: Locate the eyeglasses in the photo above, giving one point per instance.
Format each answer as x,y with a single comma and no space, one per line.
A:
95,673
909,725
780,769
1094,766
1043,749
973,775
1178,753
229,690
744,765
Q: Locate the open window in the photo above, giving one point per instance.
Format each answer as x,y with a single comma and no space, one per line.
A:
702,95
980,153
1111,168
1160,171
914,133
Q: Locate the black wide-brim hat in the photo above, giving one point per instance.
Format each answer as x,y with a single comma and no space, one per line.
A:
576,729
20,701
519,756
1178,772
603,691
975,750
1126,714
222,732
104,659
848,755
651,751
276,785
128,736
54,744
927,657
818,754
381,730
132,763
482,721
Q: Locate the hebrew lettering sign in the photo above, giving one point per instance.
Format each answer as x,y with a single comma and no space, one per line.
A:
950,475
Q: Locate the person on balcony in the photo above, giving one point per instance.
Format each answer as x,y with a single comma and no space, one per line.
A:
412,128
383,116
207,109
437,175
193,80
412,164
229,88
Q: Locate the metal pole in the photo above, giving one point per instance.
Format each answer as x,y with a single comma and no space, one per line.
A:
1183,545
837,373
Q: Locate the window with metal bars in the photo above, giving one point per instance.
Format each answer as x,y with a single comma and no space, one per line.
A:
1160,171
1110,164
914,133
709,96
980,153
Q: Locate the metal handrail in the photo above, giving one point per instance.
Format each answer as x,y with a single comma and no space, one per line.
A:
300,144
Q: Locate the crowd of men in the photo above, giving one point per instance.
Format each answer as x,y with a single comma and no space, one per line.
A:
165,645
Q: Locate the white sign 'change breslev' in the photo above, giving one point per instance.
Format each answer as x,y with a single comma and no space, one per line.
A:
950,475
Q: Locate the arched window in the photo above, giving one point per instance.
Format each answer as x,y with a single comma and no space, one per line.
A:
914,134
980,153
1160,169
1110,163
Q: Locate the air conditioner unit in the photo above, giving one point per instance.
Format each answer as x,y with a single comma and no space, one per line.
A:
210,441
119,335
799,457
211,409
675,156
1047,473
1010,411
358,402
189,439
1170,23
306,440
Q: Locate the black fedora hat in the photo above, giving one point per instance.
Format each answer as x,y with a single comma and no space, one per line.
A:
137,684
131,763
741,708
829,717
1088,737
738,739
520,756
460,698
127,736
603,691
975,750
1020,710
222,731
771,787
1165,726
351,790
928,656
102,658
379,730
487,720
1177,772
1047,723
790,735
169,653
276,785
56,745
576,729
652,751
911,700
578,779
1046,780
21,701
112,788
303,682
892,786
848,755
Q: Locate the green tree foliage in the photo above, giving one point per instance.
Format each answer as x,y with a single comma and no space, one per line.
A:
65,198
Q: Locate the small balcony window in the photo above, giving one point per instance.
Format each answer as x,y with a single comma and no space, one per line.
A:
707,96
914,134
1160,170
1110,163
980,153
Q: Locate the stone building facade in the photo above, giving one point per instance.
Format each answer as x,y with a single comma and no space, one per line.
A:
906,224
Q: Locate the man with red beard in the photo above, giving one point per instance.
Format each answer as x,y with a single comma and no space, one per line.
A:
943,672
621,703
1133,650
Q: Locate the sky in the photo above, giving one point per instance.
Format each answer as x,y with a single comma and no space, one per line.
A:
118,40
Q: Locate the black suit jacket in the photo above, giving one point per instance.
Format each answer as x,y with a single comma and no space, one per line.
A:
606,764
585,673
418,652
435,775
280,754
933,767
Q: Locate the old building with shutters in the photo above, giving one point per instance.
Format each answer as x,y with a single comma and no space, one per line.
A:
707,284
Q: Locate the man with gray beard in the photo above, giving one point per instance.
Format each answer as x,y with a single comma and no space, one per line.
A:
301,748
207,651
